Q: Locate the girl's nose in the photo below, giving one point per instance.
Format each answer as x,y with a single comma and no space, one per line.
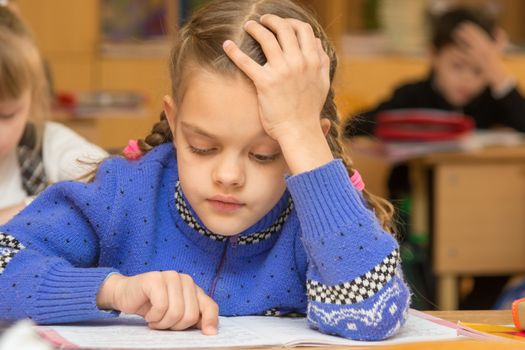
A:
229,172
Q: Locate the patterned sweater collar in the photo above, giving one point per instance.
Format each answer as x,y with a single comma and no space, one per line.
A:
264,229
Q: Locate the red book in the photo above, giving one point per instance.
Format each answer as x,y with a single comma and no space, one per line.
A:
422,125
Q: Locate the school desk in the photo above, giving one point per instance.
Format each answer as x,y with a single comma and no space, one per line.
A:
499,317
502,317
474,209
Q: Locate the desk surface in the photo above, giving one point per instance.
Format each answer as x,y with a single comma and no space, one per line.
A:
372,148
500,317
492,154
492,317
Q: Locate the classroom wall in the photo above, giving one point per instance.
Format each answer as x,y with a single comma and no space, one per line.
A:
69,37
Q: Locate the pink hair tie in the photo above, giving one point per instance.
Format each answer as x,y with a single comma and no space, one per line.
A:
132,150
357,181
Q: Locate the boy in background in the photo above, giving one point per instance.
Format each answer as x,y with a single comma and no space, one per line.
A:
467,76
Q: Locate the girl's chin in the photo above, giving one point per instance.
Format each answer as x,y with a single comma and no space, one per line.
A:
223,228
220,227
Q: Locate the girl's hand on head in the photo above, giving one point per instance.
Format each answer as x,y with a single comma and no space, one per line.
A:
166,300
291,87
483,51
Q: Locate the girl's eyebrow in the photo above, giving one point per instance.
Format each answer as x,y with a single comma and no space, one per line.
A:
197,130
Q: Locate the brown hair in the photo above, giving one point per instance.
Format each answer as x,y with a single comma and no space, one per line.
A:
199,42
444,25
21,68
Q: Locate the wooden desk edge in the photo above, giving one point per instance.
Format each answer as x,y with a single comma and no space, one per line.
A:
495,317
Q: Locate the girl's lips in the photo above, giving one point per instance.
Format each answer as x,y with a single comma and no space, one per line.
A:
225,207
225,204
225,199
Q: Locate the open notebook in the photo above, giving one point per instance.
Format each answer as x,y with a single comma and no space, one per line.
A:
131,332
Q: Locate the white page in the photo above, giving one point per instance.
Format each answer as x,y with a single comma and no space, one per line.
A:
296,332
131,332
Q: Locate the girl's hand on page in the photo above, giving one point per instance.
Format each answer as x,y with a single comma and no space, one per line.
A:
293,84
166,300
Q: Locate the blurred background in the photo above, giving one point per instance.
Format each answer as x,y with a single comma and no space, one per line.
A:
464,217
123,44
96,45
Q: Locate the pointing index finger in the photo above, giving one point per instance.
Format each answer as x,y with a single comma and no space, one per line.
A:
209,314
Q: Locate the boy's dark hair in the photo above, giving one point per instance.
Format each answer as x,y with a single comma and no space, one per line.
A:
445,24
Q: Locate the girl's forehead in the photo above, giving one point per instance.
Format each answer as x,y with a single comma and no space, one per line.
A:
215,96
222,106
198,78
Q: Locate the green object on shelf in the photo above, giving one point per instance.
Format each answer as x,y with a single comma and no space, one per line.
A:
370,17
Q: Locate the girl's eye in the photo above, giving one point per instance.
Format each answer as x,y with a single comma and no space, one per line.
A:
7,116
262,158
201,151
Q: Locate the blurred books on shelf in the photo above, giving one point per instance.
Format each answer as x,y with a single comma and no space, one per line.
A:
96,104
141,49
365,43
142,28
405,26
133,20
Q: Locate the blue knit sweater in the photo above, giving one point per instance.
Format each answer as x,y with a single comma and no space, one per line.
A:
319,251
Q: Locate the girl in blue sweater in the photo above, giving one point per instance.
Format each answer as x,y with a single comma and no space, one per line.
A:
241,201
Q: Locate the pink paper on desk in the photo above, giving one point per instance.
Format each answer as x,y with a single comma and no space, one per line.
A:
434,319
463,329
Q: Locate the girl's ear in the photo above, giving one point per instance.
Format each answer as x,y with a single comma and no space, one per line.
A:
326,124
170,110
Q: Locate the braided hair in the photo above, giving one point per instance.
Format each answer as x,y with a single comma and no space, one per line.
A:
199,42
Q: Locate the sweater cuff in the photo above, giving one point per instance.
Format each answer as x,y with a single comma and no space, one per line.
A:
326,200
68,294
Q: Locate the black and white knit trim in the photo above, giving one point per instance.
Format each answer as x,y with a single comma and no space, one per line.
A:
253,238
272,312
11,247
361,288
278,312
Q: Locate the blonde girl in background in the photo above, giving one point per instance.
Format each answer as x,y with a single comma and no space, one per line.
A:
240,201
34,152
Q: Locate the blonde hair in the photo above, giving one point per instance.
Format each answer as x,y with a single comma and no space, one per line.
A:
199,42
22,69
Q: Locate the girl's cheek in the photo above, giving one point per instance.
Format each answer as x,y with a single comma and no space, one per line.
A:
8,140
